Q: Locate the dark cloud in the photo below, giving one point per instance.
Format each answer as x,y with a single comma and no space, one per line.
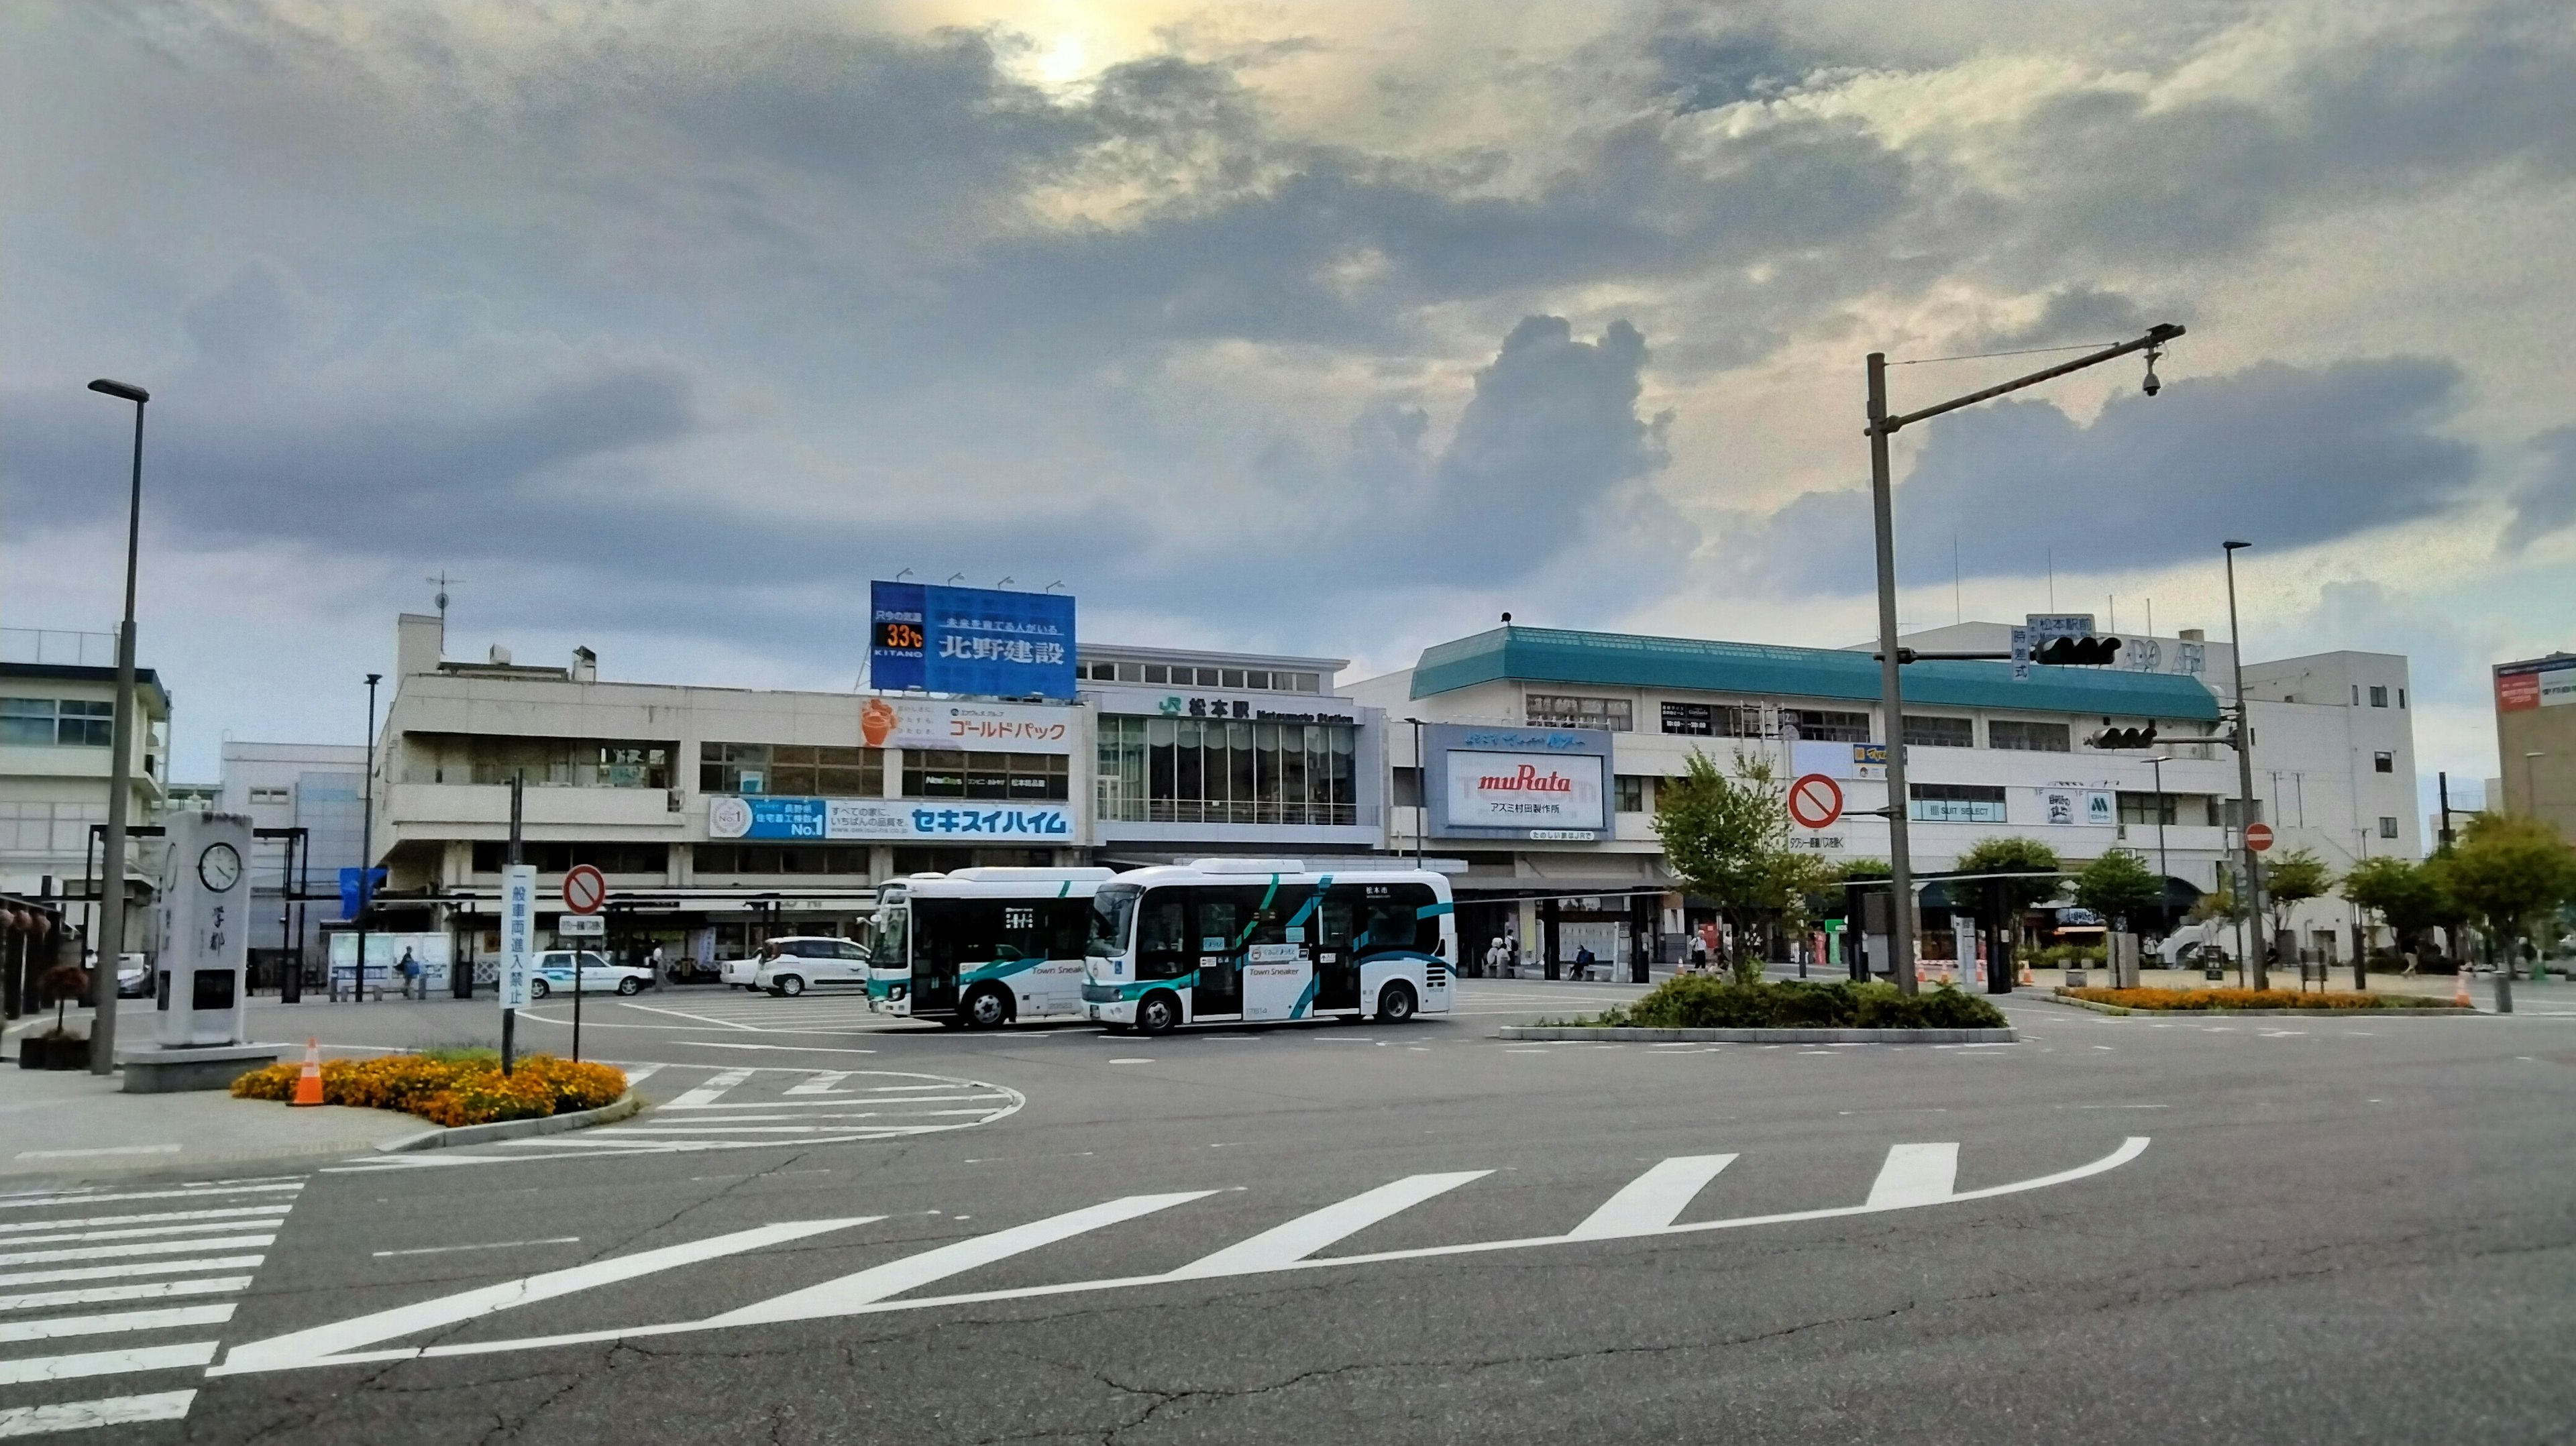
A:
2546,502
2075,315
2279,455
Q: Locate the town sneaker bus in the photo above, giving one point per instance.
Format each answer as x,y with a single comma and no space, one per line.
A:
982,948
1263,939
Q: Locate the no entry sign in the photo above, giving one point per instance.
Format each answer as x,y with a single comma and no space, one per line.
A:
585,889
1815,801
2258,836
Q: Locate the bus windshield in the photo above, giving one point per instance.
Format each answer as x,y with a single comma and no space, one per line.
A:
1113,912
888,948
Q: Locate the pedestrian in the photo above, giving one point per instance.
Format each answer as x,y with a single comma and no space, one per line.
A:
1583,962
2410,962
653,962
409,968
1698,961
1498,958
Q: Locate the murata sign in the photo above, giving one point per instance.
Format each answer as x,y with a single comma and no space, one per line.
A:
1519,783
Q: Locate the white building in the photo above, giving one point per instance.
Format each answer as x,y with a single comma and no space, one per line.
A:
318,788
57,722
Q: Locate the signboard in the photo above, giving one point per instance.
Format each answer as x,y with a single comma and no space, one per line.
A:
2021,655
349,890
584,889
432,952
985,727
819,819
970,640
2083,807
582,926
1859,762
518,933
2045,628
1815,801
2545,684
2258,837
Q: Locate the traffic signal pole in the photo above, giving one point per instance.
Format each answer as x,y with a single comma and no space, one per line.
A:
2253,901
1900,862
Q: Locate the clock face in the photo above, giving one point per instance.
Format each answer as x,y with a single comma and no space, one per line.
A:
219,867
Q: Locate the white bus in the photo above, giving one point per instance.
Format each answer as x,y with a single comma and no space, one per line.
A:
1265,939
982,948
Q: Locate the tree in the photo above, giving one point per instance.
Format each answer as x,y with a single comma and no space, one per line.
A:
2510,871
2407,896
2292,880
2009,855
2119,886
2218,903
1727,840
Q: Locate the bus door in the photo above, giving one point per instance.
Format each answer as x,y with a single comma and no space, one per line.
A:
1223,921
1278,967
1163,937
936,924
1337,961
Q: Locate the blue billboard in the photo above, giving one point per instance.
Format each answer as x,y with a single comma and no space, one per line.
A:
970,640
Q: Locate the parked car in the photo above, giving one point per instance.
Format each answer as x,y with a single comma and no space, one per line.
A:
799,964
133,974
739,973
555,971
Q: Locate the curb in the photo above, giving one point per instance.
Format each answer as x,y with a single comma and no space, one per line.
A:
610,1113
2451,1011
1626,1034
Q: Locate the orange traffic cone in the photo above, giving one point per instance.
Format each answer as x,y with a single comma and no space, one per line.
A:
308,1085
2460,988
2026,978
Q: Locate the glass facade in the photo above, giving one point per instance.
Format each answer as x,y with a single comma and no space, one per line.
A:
2023,736
950,773
1932,730
547,762
1189,770
48,722
1571,710
1956,803
791,770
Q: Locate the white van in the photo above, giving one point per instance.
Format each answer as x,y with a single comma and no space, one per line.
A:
813,962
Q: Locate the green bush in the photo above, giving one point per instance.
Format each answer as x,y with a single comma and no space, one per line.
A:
1698,1001
2058,956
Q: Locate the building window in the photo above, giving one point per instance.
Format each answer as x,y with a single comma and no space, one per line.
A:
547,762
792,769
1018,777
2378,695
762,859
1934,731
1821,725
2387,825
2383,763
490,855
45,722
2401,700
1571,710
1192,770
1956,803
1631,792
2142,808
1712,720
272,795
2028,737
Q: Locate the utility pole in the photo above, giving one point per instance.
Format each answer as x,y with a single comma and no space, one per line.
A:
111,888
366,845
2260,972
1421,793
1900,863
510,1017
2442,839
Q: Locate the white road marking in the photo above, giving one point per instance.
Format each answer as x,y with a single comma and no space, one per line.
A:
110,1323
22,1227
684,1014
1653,1200
1299,1238
841,1100
114,1272
1915,1175
105,1363
144,1290
214,1227
101,1150
83,1197
299,1346
479,1245
781,1048
824,1083
710,1092
866,1287
85,1415
146,1247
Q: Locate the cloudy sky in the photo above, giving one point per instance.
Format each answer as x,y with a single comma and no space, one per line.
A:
1322,328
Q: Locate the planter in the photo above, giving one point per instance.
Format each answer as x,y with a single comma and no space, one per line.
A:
39,1052
1636,1034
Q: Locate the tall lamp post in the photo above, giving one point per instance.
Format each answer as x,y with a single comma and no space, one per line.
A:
2253,901
1900,862
367,844
1421,792
111,914
2164,873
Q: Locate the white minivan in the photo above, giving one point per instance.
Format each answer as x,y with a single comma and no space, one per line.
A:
799,964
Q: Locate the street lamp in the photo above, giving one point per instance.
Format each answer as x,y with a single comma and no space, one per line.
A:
2248,959
1421,793
367,845
1900,863
120,776
2164,881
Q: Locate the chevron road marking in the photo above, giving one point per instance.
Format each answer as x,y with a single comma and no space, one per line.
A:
1654,1200
1285,1245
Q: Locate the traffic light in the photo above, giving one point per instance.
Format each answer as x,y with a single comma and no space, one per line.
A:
2124,738
2077,652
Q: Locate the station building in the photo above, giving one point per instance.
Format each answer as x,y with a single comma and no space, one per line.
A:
57,753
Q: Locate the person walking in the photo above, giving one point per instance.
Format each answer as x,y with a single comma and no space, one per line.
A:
653,964
409,968
1497,958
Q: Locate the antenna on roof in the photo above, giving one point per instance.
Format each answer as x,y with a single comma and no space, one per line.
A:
440,582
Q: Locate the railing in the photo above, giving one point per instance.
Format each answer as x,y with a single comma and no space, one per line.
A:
48,645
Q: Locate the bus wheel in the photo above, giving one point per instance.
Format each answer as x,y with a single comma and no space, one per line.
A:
986,1009
1395,1003
1157,1014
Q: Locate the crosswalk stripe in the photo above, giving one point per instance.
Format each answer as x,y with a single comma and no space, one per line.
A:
1915,1175
85,1415
145,1232
105,1363
141,1290
110,1323
1653,1200
148,1267
708,1093
385,1325
140,1247
1308,1233
833,1297
23,1226
841,1102
77,1197
636,1074
821,1084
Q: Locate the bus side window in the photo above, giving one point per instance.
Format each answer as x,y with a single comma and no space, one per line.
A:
1163,946
1334,919
1067,924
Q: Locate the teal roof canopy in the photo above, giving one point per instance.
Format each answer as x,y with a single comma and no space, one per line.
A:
1695,665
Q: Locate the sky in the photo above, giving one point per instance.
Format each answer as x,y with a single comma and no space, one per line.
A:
1319,328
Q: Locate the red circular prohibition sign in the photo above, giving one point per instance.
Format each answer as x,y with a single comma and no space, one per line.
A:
1815,801
585,889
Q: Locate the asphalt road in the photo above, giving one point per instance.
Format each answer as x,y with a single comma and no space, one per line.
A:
829,1230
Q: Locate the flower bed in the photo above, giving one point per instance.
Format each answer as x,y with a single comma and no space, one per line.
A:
1696,1001
2204,1000
463,1090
